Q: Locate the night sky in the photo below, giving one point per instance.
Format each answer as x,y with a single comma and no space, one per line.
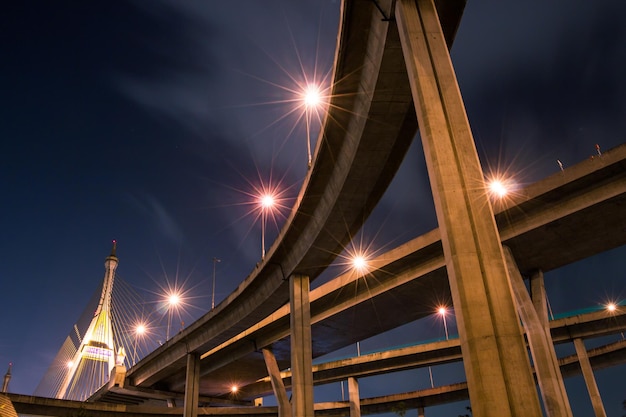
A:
152,123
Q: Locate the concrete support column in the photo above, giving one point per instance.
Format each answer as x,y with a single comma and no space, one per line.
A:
301,351
496,362
540,299
192,385
590,380
355,400
547,368
284,408
420,412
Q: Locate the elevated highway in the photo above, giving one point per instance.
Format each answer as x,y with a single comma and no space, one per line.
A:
369,126
580,209
371,122
433,353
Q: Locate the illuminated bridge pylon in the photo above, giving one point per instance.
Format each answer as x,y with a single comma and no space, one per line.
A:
98,341
95,358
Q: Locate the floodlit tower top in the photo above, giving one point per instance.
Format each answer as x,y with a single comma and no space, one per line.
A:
112,257
7,378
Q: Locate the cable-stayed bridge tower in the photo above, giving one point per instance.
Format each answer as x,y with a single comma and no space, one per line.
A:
86,358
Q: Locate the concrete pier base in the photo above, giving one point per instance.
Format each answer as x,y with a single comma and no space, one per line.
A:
192,385
355,400
301,350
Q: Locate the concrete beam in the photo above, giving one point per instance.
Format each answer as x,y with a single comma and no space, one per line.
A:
284,407
545,361
590,380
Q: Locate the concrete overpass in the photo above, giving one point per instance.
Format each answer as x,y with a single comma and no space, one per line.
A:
565,218
368,128
370,123
563,330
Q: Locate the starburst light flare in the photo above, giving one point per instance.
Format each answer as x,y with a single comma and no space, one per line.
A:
497,188
312,96
359,263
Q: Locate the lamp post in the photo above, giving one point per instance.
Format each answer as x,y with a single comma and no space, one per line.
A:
443,311
139,331
312,99
215,260
173,301
267,202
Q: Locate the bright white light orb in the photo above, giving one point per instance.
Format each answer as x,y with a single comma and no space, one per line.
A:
173,299
498,188
234,389
611,307
140,329
267,201
69,364
312,96
359,263
442,311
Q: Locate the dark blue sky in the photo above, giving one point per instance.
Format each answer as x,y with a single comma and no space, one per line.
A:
148,122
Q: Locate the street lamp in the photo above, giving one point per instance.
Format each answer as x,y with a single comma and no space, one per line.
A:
312,99
215,260
267,202
442,310
139,331
173,299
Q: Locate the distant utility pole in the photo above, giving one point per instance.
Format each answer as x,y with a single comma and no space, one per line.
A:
215,260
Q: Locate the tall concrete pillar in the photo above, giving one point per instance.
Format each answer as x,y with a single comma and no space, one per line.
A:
547,368
355,399
301,350
590,380
420,412
496,362
284,408
192,385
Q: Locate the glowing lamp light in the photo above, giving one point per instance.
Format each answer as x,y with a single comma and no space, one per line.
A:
442,311
498,188
267,201
312,96
611,307
234,389
140,329
173,299
359,263
69,364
